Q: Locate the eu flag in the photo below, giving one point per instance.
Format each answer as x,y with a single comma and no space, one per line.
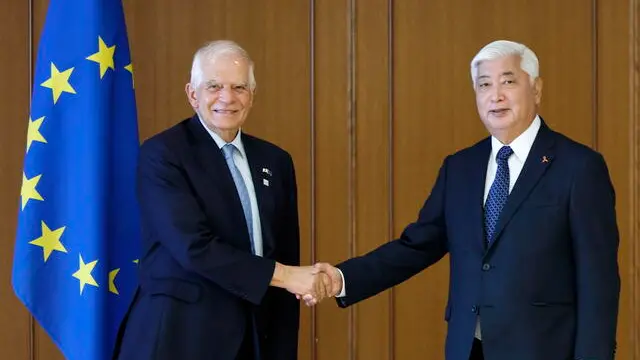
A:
78,229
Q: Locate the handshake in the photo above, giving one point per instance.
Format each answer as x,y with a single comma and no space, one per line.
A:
311,284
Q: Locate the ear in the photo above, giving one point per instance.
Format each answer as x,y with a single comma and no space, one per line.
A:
191,95
537,90
253,96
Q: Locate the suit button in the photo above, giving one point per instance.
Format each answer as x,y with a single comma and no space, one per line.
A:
474,309
486,267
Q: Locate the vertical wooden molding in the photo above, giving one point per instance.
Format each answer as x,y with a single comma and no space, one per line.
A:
351,91
312,149
594,73
634,164
32,325
390,165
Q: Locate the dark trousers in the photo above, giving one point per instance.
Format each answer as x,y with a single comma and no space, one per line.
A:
249,349
476,350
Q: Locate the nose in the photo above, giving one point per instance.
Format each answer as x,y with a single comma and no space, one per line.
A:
226,95
497,94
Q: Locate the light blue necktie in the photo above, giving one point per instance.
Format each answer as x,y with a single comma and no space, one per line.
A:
497,194
228,150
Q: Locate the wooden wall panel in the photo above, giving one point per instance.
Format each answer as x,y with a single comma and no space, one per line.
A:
14,60
633,275
332,173
614,141
372,156
630,345
422,136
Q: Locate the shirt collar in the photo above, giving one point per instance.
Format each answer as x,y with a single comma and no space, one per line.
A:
520,145
237,141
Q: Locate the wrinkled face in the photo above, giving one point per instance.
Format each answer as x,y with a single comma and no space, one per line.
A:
223,97
507,101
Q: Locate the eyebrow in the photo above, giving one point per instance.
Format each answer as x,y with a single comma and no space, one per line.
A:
212,82
506,73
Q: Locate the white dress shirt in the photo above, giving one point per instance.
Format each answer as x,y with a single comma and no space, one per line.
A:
240,158
521,147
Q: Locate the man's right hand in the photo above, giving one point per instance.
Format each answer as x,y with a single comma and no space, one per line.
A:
333,283
302,280
334,275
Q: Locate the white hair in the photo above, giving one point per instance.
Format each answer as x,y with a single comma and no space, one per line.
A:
211,51
501,48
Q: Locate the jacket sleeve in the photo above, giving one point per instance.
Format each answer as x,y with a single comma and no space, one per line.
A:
595,244
421,244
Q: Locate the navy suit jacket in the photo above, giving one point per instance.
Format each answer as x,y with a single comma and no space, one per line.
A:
200,286
547,288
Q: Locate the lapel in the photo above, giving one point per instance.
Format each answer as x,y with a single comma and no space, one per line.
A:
263,182
537,163
212,161
477,166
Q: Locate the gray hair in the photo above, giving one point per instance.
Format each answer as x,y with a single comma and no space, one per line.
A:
501,48
213,49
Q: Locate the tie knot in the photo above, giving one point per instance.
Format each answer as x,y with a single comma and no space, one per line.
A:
228,151
504,153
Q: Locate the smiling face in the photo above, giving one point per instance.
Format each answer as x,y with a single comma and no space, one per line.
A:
506,98
223,97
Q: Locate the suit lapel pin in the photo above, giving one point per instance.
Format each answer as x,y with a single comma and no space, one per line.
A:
545,159
266,171
265,182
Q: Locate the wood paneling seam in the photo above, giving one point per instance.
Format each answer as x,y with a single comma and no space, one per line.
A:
312,155
594,72
351,52
634,163
390,220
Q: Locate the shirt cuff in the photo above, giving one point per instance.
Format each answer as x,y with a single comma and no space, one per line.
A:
343,291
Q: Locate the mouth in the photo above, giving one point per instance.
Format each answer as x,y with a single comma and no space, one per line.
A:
498,112
225,111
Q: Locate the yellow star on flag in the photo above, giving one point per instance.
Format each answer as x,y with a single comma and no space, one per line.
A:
49,241
28,190
136,261
129,68
59,82
84,274
104,56
112,279
33,133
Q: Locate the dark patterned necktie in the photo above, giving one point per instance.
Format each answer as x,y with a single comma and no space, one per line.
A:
497,194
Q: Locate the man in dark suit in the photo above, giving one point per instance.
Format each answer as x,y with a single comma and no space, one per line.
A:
527,217
220,231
